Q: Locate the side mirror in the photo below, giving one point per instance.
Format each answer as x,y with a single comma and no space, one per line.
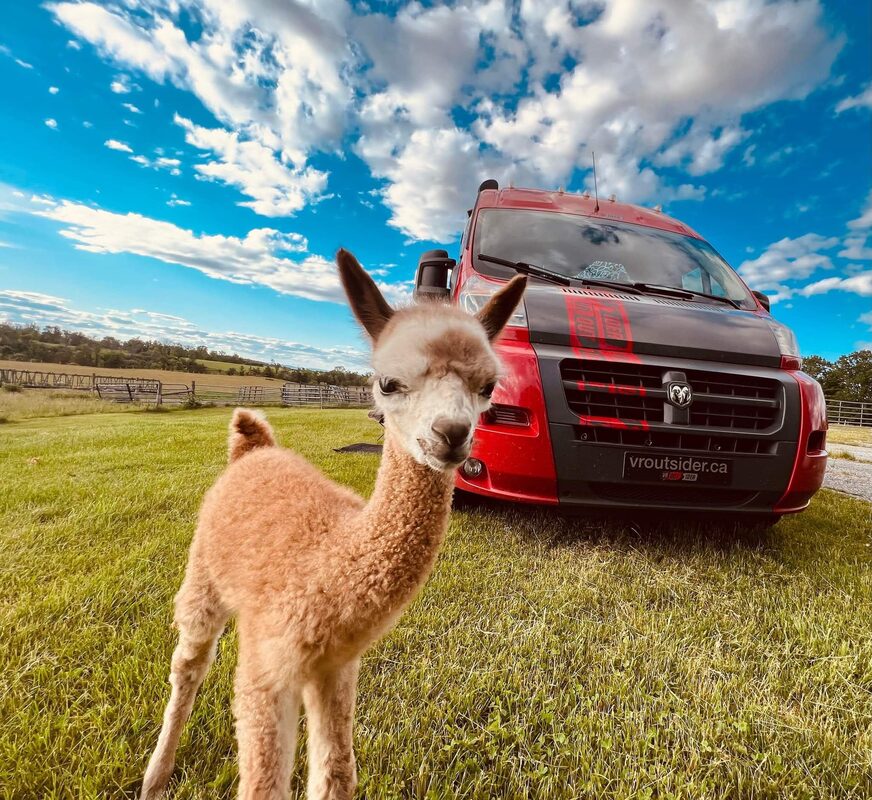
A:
764,300
431,279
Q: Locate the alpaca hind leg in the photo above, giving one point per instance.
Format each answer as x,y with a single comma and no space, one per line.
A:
200,618
267,711
329,701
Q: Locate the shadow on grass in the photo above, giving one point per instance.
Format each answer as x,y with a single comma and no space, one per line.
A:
667,532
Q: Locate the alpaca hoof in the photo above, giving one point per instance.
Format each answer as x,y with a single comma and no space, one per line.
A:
154,785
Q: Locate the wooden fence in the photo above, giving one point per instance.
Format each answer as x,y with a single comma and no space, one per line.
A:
154,392
150,391
847,412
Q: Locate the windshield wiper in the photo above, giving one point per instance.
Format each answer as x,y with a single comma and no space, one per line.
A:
685,293
555,277
528,269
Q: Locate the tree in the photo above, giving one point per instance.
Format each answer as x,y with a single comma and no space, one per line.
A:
851,377
817,367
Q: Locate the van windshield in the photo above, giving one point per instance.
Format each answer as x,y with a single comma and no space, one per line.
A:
581,247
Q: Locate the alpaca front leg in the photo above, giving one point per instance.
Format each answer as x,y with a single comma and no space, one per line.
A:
266,731
200,619
329,701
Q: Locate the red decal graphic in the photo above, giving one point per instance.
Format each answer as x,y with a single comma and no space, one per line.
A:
613,422
612,388
600,325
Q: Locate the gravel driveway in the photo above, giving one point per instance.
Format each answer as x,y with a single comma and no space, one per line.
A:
852,477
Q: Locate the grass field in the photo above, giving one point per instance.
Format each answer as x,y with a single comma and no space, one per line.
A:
849,434
546,658
31,403
218,366
165,375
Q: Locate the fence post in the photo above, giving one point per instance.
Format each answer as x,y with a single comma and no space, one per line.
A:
159,398
193,391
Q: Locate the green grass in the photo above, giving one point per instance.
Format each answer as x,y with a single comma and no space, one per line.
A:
849,434
19,404
843,455
219,366
546,658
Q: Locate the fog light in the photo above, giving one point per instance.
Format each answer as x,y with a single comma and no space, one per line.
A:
472,467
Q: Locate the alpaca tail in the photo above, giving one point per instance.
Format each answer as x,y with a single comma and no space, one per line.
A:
248,430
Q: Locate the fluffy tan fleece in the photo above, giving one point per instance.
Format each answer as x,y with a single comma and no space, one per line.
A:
314,576
312,573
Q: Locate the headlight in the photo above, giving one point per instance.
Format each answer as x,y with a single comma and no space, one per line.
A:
787,344
477,291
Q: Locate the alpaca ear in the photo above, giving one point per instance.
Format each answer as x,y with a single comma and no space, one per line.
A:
366,301
501,306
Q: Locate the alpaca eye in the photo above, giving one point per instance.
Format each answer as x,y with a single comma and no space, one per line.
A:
488,389
389,385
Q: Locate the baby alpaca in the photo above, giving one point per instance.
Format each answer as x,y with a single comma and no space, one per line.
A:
313,574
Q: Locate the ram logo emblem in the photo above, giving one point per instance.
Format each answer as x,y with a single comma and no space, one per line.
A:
679,395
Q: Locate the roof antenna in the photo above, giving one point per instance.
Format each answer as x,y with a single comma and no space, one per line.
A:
595,192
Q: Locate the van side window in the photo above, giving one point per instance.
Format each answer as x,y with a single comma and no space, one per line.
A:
698,281
464,240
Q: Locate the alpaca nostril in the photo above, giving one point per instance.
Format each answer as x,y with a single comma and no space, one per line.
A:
454,434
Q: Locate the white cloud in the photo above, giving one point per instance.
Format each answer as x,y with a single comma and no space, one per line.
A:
786,262
702,150
131,108
51,123
650,84
122,85
860,283
74,45
857,242
161,162
114,144
9,54
87,124
856,247
175,200
642,69
32,308
264,256
788,259
862,100
276,189
864,221
53,90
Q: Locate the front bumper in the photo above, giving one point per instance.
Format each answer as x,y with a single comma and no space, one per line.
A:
567,458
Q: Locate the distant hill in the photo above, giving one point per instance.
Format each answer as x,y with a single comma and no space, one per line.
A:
54,345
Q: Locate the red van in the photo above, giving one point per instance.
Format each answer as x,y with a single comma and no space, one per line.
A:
641,371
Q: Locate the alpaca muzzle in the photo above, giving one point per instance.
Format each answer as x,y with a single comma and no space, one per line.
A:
451,442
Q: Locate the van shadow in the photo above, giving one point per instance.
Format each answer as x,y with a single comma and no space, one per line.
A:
663,532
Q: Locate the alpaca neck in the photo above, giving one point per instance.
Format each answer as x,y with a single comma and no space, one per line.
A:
403,524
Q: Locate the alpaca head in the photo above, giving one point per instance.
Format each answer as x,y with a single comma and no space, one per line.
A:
435,368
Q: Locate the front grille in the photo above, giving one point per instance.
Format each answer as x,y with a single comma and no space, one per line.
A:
674,440
601,392
672,495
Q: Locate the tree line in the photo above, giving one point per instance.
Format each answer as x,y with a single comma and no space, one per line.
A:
849,377
54,345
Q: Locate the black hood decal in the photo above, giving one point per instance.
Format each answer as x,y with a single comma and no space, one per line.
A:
627,325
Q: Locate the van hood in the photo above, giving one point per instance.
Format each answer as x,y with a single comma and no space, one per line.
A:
598,319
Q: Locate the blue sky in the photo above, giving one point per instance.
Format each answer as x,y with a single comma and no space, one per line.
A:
185,169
